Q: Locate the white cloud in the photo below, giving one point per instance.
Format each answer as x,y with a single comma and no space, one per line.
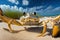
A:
34,9
56,9
21,9
14,8
26,10
14,1
49,7
5,7
40,11
39,7
48,10
25,2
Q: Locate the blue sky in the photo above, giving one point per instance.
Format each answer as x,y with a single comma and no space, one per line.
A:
43,7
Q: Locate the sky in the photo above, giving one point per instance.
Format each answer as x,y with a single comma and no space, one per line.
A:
43,7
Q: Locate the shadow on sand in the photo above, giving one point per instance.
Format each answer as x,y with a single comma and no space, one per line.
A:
35,29
39,30
14,31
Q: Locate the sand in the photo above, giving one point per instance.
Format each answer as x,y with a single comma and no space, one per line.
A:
29,34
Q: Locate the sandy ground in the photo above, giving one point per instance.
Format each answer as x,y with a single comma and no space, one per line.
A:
29,34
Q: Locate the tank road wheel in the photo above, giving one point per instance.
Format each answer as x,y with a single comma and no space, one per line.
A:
55,31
